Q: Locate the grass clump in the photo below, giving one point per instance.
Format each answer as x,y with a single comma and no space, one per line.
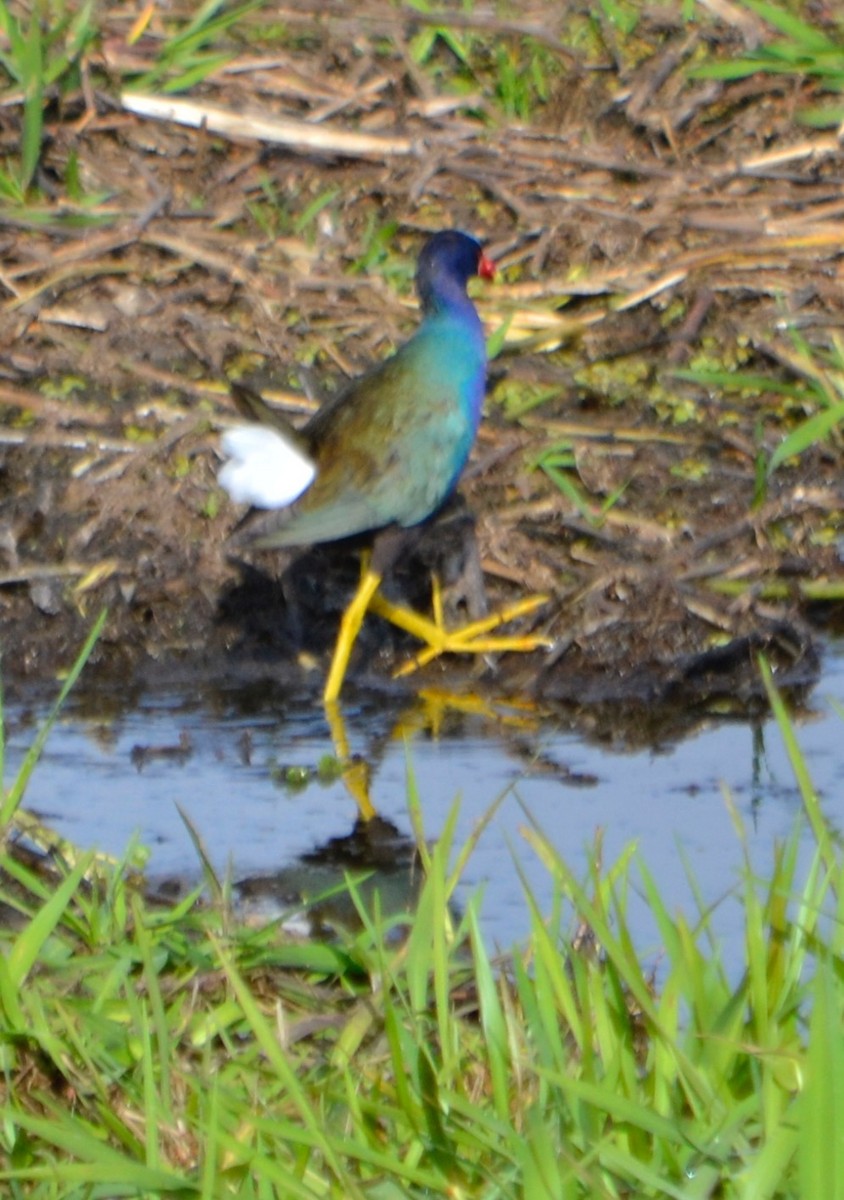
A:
817,389
154,1051
39,59
798,49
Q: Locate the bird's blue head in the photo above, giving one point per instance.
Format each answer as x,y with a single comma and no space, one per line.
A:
446,264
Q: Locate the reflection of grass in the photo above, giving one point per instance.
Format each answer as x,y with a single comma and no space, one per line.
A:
162,1051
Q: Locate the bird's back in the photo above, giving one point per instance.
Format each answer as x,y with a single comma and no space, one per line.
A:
391,447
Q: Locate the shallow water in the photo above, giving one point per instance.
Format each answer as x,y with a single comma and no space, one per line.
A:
115,766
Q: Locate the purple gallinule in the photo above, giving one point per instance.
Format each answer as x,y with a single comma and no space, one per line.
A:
383,455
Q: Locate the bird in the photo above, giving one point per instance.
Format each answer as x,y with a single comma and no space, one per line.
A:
383,455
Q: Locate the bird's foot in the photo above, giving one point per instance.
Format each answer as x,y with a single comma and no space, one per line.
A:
477,637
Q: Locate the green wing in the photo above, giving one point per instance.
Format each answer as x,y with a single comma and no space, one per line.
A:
387,450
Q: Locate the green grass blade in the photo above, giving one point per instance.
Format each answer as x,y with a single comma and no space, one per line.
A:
811,800
13,798
96,1162
807,37
493,1020
30,941
807,434
314,1132
33,105
821,1147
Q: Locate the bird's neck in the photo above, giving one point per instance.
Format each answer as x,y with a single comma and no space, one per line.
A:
446,297
447,307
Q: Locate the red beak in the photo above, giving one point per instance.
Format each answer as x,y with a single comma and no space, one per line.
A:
486,267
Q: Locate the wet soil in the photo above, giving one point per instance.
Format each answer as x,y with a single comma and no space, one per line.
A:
645,221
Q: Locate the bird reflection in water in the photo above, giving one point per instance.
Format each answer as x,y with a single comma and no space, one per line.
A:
375,863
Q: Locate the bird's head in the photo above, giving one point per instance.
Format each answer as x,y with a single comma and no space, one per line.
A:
447,262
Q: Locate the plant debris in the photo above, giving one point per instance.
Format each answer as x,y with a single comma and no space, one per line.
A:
669,308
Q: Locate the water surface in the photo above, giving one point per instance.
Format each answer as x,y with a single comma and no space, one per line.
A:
113,768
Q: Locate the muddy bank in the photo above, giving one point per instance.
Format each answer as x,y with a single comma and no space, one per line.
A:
645,226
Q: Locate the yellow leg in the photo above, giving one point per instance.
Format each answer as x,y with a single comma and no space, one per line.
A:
437,602
349,630
412,622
